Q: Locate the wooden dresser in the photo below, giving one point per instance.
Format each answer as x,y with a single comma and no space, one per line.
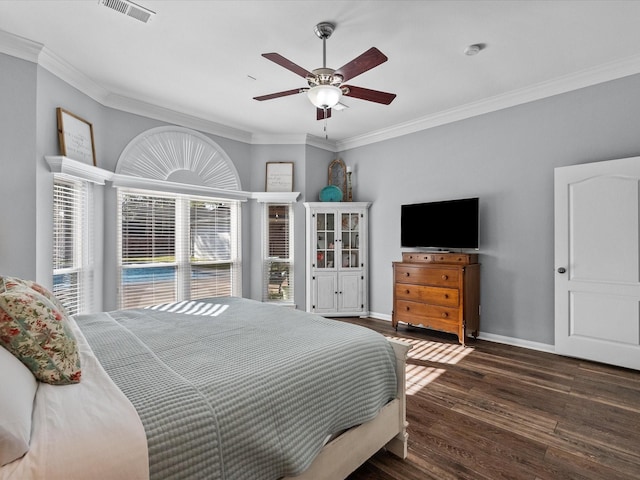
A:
440,291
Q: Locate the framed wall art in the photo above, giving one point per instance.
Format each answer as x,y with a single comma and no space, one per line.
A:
279,177
76,137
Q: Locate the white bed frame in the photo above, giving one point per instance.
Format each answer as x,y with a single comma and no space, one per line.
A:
347,452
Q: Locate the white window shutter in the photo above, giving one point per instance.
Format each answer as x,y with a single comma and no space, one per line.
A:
73,267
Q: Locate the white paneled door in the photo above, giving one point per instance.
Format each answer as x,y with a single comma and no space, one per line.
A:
597,261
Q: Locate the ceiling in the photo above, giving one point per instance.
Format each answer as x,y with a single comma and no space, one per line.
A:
203,58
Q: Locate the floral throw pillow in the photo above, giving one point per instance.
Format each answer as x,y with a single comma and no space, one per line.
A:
36,331
11,282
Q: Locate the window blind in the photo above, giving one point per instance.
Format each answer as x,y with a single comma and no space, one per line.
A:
148,250
210,249
176,247
278,253
72,240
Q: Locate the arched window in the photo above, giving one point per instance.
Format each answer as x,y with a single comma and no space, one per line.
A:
177,243
180,155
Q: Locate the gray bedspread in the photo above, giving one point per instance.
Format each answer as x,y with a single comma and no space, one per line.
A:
230,388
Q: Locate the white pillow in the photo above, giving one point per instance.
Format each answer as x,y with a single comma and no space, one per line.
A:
18,389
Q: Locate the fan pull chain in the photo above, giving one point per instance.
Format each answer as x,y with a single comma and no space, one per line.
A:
326,135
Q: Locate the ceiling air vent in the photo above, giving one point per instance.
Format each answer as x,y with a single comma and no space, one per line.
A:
129,8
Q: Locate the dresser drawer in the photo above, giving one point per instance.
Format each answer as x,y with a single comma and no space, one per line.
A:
405,273
448,297
437,318
417,257
451,258
457,259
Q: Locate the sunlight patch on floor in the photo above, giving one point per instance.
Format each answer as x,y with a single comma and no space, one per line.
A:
419,377
447,353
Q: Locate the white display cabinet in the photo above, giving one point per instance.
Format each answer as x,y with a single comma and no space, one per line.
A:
337,258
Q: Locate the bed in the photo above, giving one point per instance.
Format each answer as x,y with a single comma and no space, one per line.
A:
222,388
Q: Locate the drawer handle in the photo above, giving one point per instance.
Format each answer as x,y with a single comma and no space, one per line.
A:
407,274
407,308
445,314
446,295
408,291
445,277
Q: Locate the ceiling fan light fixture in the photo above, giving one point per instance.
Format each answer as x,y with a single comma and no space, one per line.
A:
324,96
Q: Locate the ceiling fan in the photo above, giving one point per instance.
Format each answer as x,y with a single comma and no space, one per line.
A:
326,84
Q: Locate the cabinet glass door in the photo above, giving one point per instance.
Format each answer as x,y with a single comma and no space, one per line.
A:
350,228
325,241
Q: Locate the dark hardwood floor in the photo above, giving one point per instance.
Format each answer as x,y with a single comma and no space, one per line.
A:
494,411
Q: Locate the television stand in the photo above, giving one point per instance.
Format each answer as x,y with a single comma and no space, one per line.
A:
440,291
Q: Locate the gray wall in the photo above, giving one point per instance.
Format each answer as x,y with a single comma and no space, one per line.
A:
507,159
18,125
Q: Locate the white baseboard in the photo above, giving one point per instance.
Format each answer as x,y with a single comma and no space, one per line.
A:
491,337
517,342
380,316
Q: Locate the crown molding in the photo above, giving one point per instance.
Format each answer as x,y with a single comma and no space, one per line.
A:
20,47
35,52
71,75
139,107
294,139
585,78
322,143
278,139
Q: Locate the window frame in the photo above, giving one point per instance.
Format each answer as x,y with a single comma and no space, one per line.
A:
281,297
182,261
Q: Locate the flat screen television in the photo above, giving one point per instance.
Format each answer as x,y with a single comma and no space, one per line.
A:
445,225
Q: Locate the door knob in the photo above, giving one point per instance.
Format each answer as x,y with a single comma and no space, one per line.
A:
562,270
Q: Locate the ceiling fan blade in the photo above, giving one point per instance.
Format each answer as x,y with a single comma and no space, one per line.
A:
370,95
320,113
279,94
369,59
288,64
